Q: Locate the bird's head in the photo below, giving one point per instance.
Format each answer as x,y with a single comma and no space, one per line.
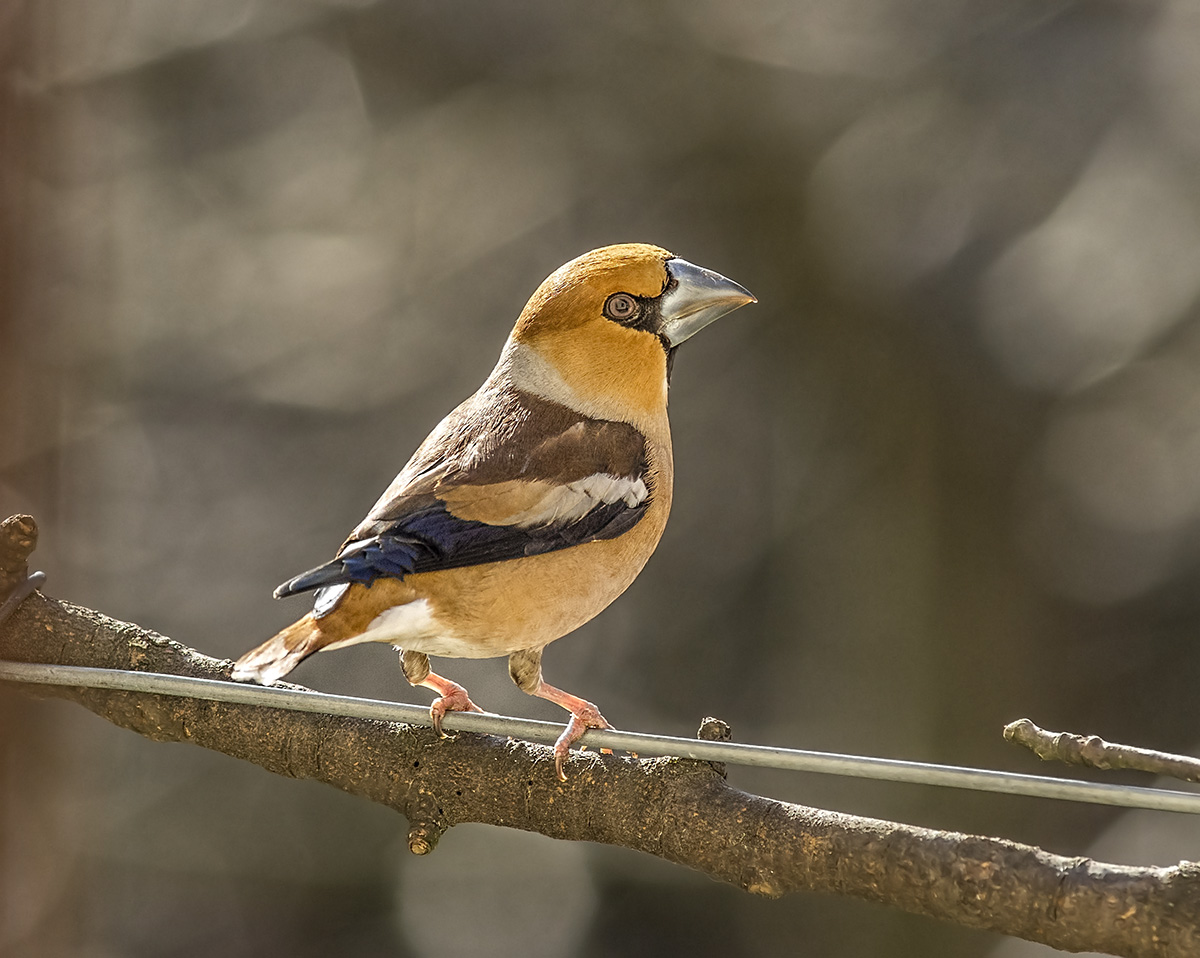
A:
599,333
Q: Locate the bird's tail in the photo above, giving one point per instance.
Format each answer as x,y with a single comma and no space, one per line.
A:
276,657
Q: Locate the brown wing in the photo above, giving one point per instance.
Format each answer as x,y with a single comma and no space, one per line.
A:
503,476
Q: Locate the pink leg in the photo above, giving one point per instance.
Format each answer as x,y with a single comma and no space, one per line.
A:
584,715
452,697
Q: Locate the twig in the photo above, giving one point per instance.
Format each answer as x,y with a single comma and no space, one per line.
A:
1093,752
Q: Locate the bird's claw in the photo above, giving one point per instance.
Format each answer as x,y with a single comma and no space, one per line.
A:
587,717
455,700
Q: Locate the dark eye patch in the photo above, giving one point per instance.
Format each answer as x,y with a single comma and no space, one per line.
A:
645,314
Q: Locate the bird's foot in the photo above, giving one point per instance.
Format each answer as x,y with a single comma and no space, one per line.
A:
587,716
452,697
584,715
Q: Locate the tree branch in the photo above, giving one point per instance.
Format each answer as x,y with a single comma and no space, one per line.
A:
1093,752
679,810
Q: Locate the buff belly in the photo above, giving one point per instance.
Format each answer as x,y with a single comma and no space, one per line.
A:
498,608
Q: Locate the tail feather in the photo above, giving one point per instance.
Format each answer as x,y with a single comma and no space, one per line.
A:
276,657
330,573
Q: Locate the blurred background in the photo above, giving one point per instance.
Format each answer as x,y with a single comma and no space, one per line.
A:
944,475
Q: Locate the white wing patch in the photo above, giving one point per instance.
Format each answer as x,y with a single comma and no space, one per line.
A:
574,500
326,598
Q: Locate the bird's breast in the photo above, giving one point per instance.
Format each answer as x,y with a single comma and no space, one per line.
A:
503,607
496,608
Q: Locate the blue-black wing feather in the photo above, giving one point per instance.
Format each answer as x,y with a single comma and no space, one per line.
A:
431,538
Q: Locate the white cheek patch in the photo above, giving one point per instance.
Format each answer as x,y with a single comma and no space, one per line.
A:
529,371
574,500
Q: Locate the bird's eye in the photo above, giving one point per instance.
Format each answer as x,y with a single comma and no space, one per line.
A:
621,307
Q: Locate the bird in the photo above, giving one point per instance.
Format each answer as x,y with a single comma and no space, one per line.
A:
532,505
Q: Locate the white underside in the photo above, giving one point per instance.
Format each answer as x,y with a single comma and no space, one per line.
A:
412,626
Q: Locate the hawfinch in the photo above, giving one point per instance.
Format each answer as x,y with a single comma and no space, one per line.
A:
532,505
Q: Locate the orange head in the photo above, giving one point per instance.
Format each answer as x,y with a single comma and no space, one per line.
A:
599,332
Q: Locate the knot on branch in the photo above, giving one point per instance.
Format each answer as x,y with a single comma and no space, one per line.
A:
18,539
426,824
423,837
714,730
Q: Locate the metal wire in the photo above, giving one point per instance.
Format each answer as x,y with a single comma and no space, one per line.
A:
858,766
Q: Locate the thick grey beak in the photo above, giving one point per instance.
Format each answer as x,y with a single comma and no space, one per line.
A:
699,297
